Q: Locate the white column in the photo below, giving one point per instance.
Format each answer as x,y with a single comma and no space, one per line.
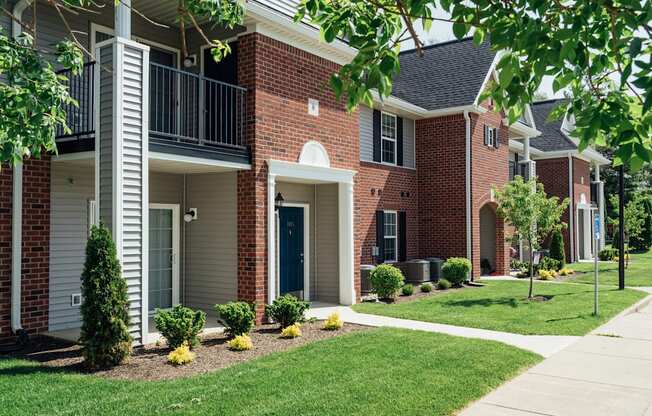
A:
346,246
123,19
121,168
271,237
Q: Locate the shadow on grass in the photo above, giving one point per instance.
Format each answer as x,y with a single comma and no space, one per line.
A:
486,302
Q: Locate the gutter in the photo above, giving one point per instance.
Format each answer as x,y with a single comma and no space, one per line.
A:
17,208
469,228
571,207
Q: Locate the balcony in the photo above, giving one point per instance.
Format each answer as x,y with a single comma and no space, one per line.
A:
189,115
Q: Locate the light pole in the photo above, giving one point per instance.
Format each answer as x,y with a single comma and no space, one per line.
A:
621,227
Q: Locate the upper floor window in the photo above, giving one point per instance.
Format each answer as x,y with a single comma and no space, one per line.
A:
388,138
390,232
491,137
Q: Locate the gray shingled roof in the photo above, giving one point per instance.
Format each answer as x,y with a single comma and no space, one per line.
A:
551,138
449,74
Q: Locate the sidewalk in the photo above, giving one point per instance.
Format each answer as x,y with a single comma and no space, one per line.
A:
544,345
608,372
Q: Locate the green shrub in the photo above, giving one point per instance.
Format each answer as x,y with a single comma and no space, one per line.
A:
386,280
237,317
105,338
518,265
557,251
643,240
456,270
607,254
548,263
180,325
426,287
287,310
443,284
407,290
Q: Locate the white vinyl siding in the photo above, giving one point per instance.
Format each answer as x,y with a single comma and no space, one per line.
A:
212,240
72,187
408,143
132,181
325,284
366,115
388,138
391,236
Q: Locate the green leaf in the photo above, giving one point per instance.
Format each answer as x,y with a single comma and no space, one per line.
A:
459,30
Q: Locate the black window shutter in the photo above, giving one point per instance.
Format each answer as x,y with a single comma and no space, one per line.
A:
380,235
486,136
497,138
399,141
402,236
377,144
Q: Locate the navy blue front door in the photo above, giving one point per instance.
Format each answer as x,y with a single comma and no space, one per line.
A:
291,249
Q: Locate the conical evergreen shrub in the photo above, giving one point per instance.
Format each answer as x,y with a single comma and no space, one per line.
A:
105,335
557,251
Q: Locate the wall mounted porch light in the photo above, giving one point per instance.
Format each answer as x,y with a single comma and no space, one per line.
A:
278,201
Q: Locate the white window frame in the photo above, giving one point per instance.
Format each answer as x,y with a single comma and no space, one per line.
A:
394,237
384,138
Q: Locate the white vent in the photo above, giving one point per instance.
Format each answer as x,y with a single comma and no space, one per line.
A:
75,299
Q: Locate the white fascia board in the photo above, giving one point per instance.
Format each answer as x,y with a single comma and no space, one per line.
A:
589,154
522,129
278,26
198,161
311,174
517,146
397,106
487,77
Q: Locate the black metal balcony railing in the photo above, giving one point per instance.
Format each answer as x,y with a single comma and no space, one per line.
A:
187,107
80,118
183,108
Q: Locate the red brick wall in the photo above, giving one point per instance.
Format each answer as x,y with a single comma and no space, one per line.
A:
36,246
440,161
441,171
280,79
383,187
553,174
489,168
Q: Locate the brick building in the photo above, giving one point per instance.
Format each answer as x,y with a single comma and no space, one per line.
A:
247,179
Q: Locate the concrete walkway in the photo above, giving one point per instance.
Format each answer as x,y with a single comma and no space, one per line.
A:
541,344
608,372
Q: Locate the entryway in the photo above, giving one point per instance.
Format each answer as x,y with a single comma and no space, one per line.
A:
487,239
163,289
293,243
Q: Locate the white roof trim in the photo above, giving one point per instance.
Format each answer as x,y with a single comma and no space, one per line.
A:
309,173
590,153
522,129
278,26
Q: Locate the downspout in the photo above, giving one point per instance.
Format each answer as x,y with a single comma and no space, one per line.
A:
571,208
469,227
17,207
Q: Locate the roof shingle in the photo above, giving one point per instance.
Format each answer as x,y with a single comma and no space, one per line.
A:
449,74
552,138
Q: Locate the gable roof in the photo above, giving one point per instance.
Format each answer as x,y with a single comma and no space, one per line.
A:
448,75
551,138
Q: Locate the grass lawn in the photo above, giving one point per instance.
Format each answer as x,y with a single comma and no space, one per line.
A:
501,306
639,272
378,372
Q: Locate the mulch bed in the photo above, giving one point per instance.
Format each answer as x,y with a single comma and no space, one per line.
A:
418,294
150,361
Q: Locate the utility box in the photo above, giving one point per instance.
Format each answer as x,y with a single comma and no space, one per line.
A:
365,284
435,268
416,271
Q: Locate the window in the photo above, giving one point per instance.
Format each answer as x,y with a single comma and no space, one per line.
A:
491,138
390,235
388,138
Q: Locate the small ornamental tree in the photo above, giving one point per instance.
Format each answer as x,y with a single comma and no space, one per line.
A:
557,250
643,240
105,335
534,216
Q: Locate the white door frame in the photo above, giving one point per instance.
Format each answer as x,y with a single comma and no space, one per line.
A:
310,172
306,248
176,225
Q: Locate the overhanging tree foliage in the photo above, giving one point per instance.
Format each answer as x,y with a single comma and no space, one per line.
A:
598,50
525,206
